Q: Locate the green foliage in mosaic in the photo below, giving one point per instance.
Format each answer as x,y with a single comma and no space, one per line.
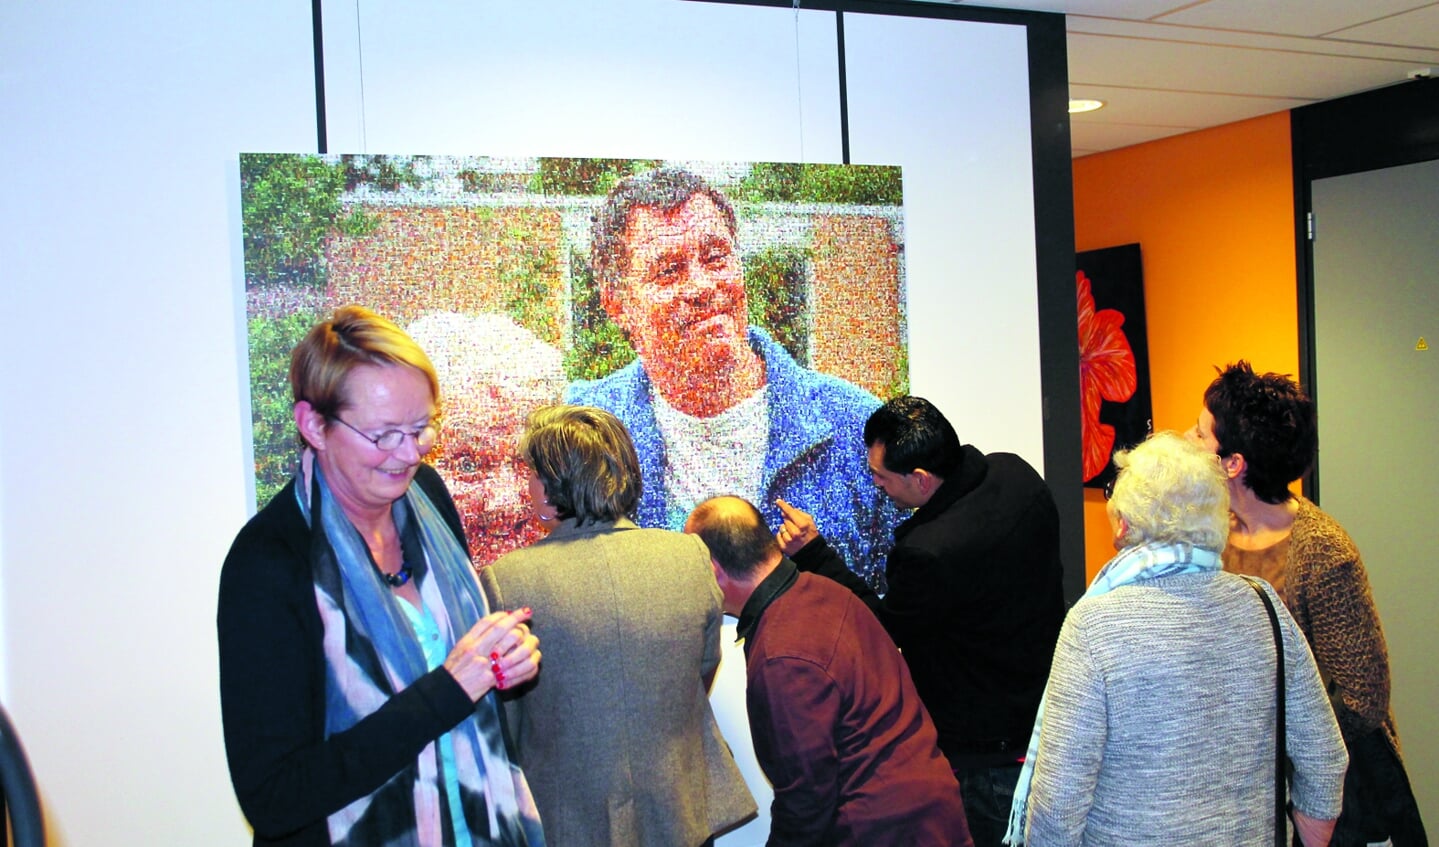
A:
600,347
791,182
291,205
586,176
276,442
778,293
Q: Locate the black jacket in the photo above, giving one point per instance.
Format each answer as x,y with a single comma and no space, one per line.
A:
975,603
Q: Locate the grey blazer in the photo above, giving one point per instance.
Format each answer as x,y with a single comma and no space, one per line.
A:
616,735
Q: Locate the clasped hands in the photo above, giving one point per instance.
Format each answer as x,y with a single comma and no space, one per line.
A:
498,652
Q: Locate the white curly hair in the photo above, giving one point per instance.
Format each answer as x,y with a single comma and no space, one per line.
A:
1171,491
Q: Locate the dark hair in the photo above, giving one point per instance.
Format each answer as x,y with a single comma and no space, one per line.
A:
585,460
915,435
735,533
1267,419
664,189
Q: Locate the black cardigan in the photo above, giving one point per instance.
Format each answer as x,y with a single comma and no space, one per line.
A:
288,777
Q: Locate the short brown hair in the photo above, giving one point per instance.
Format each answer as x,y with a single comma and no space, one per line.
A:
351,337
586,461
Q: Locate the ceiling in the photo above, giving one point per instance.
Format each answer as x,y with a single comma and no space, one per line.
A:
1165,67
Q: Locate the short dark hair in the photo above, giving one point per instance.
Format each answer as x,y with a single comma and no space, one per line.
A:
663,189
585,460
1270,421
915,435
735,533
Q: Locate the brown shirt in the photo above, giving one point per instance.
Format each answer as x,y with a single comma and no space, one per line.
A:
1268,564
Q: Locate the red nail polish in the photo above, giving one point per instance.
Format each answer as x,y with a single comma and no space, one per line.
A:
495,656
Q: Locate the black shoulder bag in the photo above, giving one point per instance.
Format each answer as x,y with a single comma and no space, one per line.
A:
1281,817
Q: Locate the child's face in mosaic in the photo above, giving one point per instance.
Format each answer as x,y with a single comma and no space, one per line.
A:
477,458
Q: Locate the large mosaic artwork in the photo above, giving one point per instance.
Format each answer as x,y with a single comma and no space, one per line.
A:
508,274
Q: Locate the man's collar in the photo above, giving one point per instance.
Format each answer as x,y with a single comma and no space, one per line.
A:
967,477
769,589
794,429
571,528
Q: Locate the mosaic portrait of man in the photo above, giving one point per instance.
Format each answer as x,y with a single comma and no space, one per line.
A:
742,319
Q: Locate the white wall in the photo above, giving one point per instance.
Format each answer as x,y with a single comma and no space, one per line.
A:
124,426
124,423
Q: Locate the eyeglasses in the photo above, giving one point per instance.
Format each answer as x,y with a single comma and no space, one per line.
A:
391,439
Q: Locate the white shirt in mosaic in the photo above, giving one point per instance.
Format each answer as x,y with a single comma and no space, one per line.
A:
710,456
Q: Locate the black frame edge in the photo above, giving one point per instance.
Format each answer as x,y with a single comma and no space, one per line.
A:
317,28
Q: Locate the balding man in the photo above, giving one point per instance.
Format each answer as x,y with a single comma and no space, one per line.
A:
837,725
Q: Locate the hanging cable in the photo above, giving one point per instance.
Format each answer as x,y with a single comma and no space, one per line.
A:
799,81
360,52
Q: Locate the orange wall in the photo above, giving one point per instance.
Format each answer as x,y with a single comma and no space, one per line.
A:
1213,213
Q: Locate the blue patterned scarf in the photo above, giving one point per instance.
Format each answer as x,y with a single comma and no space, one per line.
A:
1134,564
371,653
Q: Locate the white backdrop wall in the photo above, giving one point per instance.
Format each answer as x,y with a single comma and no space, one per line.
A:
947,100
123,420
124,425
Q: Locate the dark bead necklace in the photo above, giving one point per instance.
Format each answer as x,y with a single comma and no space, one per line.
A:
399,577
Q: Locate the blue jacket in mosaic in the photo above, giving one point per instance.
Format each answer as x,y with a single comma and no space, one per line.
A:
816,458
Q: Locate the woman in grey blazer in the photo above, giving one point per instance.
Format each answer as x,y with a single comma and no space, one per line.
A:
616,734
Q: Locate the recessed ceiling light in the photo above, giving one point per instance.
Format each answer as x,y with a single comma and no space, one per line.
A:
1077,106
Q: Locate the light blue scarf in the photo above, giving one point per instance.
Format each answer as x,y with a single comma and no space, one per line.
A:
1134,564
371,653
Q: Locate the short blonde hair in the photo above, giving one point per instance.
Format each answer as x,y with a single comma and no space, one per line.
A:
586,461
1171,491
352,336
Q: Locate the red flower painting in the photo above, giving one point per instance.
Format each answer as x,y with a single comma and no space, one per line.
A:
1106,372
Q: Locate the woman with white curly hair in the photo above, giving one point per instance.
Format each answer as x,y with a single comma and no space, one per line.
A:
1158,724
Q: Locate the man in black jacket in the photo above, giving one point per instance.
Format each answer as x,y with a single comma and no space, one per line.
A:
975,599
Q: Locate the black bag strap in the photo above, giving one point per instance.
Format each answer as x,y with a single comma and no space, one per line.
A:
1281,825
